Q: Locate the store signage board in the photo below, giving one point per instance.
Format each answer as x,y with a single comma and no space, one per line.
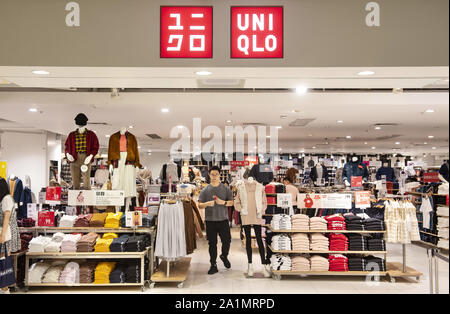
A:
315,34
46,219
133,219
143,210
239,163
357,182
284,200
186,32
328,201
362,199
96,198
431,177
257,32
53,196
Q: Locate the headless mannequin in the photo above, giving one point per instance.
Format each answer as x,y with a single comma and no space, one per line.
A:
354,159
123,131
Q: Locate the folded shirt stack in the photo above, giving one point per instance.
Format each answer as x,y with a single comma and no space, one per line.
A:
442,211
354,222
69,243
300,222
119,244
37,271
71,274
281,222
443,244
133,272
373,224
336,222
103,271
375,263
300,263
357,242
281,262
37,245
136,244
319,242
55,245
338,262
102,245
83,221
338,242
67,221
376,245
98,220
111,236
87,271
54,272
356,263
113,220
118,274
319,263
300,242
281,243
87,242
318,223
148,220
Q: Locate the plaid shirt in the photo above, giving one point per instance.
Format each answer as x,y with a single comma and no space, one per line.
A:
80,142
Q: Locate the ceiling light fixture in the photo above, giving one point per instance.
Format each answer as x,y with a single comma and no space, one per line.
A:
203,73
33,110
340,121
378,128
180,126
433,148
429,111
164,110
397,143
366,73
430,136
229,121
301,89
373,147
40,72
348,137
426,143
365,143
279,127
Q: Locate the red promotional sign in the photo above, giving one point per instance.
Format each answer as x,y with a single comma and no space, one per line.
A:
144,210
357,182
53,195
186,32
46,219
257,32
431,177
252,160
242,163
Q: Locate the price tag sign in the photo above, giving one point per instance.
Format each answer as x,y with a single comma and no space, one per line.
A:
143,210
357,182
133,219
284,200
46,219
53,196
362,199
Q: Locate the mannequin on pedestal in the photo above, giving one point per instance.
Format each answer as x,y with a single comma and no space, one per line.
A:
81,147
354,168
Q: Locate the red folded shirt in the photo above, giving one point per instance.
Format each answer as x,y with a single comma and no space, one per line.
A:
334,218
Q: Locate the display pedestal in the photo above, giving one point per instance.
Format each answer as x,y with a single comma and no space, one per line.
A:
178,272
395,270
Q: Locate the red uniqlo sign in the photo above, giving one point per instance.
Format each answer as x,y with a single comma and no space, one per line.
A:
430,177
257,32
186,32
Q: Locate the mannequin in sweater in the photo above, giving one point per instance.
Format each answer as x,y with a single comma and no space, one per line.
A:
251,202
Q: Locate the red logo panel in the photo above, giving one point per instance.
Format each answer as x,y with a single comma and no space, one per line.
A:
186,32
257,32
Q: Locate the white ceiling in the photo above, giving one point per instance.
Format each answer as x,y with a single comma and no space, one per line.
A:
360,110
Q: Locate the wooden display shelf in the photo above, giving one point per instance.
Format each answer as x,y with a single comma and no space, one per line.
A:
427,233
325,252
327,273
83,230
325,231
84,285
395,270
178,271
84,255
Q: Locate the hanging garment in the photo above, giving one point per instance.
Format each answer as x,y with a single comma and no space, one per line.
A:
171,236
16,189
388,172
25,199
172,171
339,180
251,202
191,239
263,173
319,172
426,209
124,177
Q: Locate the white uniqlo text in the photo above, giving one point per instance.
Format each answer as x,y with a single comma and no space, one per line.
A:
197,42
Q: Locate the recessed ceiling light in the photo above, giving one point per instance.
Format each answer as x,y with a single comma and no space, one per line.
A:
33,110
433,148
131,127
301,89
366,73
40,72
279,127
180,126
429,111
378,128
268,136
149,150
149,154
373,147
340,121
397,143
348,137
430,136
203,73
314,147
229,121
164,110
426,143
365,143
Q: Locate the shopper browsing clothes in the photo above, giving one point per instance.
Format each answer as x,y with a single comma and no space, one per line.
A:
216,198
9,231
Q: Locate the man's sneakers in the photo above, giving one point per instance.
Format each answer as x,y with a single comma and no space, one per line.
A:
225,261
213,270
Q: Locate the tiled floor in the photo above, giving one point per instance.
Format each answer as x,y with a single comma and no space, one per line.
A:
234,282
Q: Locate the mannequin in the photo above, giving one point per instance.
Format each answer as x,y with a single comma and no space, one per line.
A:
262,172
354,168
251,202
124,162
444,172
15,186
387,171
81,147
318,173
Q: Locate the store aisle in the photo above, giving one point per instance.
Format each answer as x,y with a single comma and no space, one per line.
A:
233,281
